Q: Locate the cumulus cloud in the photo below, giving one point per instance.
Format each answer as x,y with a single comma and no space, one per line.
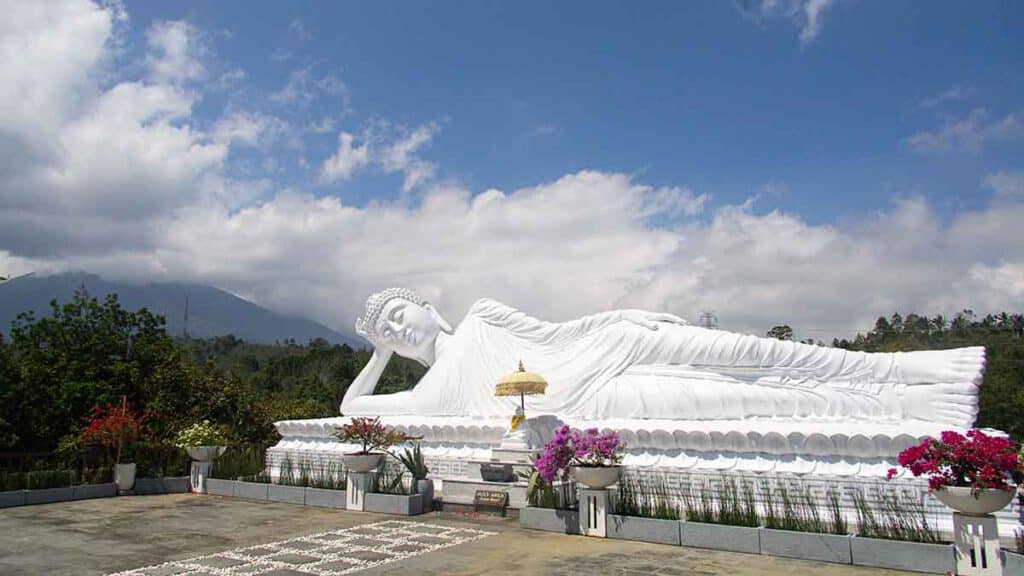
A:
390,149
122,180
175,50
806,15
971,133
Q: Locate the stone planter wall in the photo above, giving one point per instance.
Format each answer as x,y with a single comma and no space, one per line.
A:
806,545
250,490
87,491
550,520
722,537
286,494
1013,563
168,485
394,504
325,498
49,495
900,555
220,487
12,498
644,529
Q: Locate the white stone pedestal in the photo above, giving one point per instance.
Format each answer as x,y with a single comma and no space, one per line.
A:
199,473
593,512
977,545
358,485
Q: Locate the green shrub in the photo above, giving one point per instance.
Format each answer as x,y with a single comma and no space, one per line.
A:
41,479
238,461
896,518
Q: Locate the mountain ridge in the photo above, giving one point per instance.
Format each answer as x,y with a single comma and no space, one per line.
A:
211,311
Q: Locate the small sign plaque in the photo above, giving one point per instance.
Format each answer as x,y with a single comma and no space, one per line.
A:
490,499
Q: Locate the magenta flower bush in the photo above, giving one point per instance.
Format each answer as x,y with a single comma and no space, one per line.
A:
977,461
567,448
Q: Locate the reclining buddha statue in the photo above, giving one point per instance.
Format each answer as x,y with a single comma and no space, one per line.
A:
636,365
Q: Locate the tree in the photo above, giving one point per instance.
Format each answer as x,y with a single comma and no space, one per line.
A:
781,332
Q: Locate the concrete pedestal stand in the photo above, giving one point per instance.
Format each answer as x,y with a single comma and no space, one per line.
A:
359,483
977,545
593,512
199,473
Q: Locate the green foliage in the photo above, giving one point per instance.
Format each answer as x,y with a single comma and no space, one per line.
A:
389,480
88,352
897,517
722,503
41,479
1002,335
412,459
239,461
646,499
781,332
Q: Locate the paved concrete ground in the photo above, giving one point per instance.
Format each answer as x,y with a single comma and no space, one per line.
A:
96,537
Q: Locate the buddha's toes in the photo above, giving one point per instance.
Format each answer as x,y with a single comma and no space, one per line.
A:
954,403
960,365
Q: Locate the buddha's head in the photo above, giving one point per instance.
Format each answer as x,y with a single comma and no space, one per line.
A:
399,320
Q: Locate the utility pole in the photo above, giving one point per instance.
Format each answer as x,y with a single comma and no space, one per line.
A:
709,320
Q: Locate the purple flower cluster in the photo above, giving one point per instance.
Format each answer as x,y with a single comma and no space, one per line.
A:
567,448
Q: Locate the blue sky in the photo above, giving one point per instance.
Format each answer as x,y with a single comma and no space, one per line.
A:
704,93
811,162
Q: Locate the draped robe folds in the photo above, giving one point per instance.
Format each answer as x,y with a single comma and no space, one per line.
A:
603,367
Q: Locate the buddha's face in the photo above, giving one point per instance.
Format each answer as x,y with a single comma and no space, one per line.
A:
408,328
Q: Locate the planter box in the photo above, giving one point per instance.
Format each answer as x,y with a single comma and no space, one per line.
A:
1013,563
644,529
250,490
324,498
86,491
47,495
220,487
168,485
806,545
900,555
550,520
12,498
286,494
394,504
721,537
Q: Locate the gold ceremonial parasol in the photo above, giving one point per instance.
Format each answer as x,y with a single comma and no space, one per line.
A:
522,383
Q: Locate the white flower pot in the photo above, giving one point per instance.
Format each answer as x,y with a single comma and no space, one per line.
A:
987,501
124,476
596,477
361,462
205,453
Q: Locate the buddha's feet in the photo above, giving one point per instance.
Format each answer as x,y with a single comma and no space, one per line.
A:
942,385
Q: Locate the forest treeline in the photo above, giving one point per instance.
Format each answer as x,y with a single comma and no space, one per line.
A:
90,352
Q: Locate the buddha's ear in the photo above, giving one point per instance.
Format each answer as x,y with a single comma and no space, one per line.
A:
437,318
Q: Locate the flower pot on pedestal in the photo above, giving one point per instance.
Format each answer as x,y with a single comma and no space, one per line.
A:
976,503
124,476
361,462
203,457
596,477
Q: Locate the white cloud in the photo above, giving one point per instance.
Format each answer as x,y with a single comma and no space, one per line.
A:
971,133
806,15
392,150
954,93
298,28
175,50
248,128
346,160
123,180
304,87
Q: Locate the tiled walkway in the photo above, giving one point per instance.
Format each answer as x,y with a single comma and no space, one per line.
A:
211,536
325,554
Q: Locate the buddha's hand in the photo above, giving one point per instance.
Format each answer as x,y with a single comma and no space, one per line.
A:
650,320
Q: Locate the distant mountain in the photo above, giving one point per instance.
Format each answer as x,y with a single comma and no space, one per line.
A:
211,311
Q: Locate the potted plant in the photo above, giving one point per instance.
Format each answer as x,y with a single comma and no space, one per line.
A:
203,441
117,429
412,459
971,474
374,439
591,457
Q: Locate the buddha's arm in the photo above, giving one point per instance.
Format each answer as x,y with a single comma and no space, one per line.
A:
366,381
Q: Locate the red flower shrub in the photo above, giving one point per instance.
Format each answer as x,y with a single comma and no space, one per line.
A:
977,461
113,427
371,434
